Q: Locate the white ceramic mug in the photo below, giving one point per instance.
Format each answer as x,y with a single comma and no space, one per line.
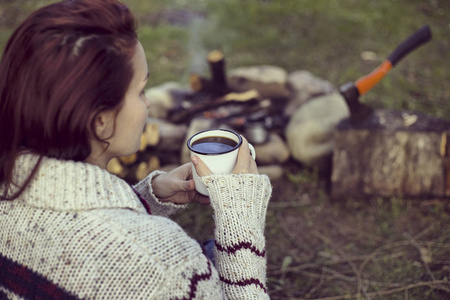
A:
214,148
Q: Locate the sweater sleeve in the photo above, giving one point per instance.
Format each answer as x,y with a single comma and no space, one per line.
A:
240,205
165,209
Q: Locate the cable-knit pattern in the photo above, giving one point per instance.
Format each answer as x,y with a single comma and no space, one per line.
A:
78,230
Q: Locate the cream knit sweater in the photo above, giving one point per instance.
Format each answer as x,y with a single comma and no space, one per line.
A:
79,232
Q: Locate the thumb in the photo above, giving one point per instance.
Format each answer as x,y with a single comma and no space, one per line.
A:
188,185
180,185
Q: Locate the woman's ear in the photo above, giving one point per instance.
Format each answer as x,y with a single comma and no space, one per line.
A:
104,124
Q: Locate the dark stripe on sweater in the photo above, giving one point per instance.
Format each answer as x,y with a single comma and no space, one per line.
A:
144,203
245,282
28,284
194,282
242,245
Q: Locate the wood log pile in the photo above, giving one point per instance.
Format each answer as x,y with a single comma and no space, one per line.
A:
295,116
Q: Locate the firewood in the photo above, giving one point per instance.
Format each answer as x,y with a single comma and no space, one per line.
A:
151,135
153,163
128,160
139,171
216,61
115,167
217,85
201,84
185,114
169,136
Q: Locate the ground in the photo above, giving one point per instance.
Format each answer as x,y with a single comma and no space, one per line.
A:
323,248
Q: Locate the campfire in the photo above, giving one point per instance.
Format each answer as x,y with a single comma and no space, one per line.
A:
301,117
243,103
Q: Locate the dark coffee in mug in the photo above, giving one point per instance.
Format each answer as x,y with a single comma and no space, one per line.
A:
213,145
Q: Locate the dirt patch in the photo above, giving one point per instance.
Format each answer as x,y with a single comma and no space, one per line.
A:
320,248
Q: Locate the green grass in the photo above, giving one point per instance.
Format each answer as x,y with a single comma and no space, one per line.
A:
325,37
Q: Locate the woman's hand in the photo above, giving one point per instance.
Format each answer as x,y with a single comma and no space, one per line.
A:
245,163
177,187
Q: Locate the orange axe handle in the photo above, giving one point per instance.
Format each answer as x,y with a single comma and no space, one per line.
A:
366,83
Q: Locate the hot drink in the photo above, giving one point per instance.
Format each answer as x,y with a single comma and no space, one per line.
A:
218,149
213,145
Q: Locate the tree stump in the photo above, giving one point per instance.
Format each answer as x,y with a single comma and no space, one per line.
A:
392,154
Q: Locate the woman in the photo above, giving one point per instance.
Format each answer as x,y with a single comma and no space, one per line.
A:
72,81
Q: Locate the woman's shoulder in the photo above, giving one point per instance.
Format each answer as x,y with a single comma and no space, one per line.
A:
137,243
106,251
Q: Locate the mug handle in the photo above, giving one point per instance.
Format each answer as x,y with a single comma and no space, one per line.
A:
252,150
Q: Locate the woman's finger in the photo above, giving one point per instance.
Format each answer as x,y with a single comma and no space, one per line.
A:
200,167
199,198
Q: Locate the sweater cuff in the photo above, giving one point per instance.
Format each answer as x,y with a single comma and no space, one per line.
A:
157,207
242,197
239,192
240,204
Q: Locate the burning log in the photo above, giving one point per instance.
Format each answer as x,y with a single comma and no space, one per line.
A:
191,109
216,63
217,85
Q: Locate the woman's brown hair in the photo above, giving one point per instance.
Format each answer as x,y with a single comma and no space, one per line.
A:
66,63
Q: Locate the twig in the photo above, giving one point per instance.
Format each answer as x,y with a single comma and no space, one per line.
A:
367,235
379,249
382,293
286,204
335,274
314,289
332,262
419,249
292,238
393,245
360,285
425,231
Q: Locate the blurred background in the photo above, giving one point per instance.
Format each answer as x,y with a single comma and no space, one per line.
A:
383,248
339,41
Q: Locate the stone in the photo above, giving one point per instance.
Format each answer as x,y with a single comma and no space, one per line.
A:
309,133
163,98
274,172
305,86
274,151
